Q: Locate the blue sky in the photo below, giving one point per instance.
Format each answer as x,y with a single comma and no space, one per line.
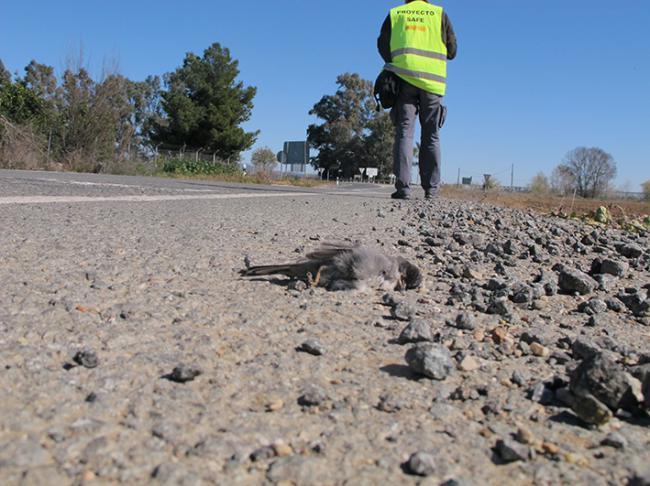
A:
532,80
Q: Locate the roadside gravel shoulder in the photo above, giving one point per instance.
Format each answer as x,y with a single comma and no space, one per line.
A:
149,287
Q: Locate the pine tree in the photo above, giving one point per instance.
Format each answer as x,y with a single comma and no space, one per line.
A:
204,106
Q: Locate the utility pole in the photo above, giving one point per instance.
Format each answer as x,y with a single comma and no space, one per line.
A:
458,180
512,178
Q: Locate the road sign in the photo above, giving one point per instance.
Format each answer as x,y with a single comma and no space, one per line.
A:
296,153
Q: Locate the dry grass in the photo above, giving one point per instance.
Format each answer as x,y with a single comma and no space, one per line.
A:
258,178
546,203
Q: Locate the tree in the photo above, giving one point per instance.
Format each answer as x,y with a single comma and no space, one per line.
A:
85,124
146,112
41,79
646,190
561,182
588,171
263,159
18,104
340,139
378,144
204,105
5,76
540,184
21,119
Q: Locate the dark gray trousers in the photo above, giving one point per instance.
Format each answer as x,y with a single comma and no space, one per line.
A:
411,102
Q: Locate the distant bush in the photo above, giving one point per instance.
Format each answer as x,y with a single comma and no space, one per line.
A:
188,166
491,184
646,190
263,159
540,184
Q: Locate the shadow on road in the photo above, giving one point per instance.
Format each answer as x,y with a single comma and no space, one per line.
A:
400,371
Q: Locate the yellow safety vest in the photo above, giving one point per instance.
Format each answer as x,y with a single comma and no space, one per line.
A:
419,56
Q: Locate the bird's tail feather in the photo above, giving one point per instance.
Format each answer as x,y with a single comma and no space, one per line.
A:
286,269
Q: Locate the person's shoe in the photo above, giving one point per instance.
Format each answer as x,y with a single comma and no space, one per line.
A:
429,194
400,195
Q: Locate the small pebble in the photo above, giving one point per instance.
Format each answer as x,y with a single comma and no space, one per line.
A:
421,464
469,363
510,451
313,347
615,440
184,373
539,350
86,358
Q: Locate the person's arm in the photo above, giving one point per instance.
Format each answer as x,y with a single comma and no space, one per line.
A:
449,37
383,42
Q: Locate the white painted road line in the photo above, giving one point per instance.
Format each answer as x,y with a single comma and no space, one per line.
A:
82,199
127,186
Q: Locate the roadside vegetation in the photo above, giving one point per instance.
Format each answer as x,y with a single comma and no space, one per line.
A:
115,125
188,168
630,214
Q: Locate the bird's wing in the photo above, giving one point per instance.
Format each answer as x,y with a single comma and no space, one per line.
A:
328,251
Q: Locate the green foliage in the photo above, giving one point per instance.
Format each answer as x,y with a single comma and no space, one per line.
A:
19,104
40,79
204,105
192,167
378,144
602,215
5,76
352,134
144,99
114,124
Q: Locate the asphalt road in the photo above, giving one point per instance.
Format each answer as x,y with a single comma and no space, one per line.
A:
145,273
109,284
27,187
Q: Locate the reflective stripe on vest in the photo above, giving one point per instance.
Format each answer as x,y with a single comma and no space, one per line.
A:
419,52
415,74
419,56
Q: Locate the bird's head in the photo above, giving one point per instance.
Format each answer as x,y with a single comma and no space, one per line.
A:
410,275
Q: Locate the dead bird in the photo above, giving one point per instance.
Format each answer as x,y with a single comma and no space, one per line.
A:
347,267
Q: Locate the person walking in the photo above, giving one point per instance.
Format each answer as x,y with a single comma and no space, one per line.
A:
416,40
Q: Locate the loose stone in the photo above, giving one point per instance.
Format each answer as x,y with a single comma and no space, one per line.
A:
313,347
86,358
184,373
430,360
511,451
421,464
417,331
